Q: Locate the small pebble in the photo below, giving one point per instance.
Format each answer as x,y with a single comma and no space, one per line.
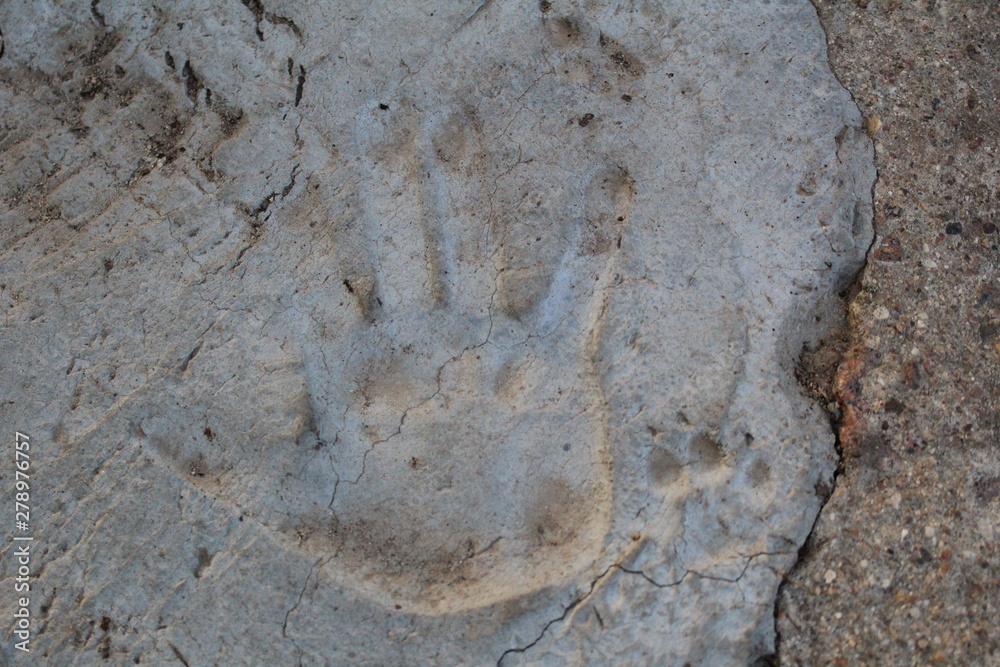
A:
873,124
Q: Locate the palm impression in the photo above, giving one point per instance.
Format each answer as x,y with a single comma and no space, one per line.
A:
465,422
513,344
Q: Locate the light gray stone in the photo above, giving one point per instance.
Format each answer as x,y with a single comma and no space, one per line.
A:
420,333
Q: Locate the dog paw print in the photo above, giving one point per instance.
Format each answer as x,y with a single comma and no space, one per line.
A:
584,54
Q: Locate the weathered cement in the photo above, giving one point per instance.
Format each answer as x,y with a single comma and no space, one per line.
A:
434,333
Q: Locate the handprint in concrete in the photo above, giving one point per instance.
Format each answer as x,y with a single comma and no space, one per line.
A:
451,368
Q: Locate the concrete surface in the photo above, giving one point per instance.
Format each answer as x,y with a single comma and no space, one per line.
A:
475,323
164,285
903,567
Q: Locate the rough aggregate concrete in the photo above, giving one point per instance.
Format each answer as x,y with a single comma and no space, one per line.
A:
903,566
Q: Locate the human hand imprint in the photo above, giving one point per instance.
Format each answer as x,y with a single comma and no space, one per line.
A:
451,368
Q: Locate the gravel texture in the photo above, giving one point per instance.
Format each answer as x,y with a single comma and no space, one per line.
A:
902,567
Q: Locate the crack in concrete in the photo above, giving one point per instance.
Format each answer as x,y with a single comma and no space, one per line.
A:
573,605
406,412
621,568
305,584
